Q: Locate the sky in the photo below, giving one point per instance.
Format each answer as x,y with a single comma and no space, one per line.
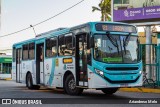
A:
19,14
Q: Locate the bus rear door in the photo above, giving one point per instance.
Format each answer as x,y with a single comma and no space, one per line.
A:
40,63
18,65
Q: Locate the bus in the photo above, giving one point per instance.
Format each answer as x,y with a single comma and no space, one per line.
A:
95,55
5,66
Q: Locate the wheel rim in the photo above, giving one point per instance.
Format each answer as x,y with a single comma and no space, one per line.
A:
72,84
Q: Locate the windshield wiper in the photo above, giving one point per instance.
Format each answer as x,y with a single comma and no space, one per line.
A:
125,42
124,46
113,40
127,39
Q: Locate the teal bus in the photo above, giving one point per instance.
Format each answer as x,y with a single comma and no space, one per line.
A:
95,55
5,66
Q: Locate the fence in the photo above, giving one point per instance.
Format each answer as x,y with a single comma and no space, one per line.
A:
153,59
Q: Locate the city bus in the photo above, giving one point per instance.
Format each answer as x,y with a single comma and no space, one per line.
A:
5,66
96,55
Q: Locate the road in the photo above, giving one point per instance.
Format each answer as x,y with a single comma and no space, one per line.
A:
10,89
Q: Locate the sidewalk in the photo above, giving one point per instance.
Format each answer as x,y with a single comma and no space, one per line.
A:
141,89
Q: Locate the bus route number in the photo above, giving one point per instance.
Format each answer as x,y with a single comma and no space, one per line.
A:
118,28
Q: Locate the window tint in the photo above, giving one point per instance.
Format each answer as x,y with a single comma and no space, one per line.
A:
18,56
6,68
25,52
73,46
31,50
65,46
68,43
61,46
51,47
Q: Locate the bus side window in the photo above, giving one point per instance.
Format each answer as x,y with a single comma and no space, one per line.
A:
25,52
31,51
73,46
61,46
68,44
51,47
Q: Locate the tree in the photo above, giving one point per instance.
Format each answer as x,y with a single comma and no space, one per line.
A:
105,9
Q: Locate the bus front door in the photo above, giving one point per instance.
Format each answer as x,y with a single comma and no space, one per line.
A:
81,60
18,65
40,63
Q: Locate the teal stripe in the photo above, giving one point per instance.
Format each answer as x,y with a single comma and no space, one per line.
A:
52,72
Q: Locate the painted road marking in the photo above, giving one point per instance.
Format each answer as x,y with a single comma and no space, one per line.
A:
145,90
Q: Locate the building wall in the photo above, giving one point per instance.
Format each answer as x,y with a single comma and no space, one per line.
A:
142,38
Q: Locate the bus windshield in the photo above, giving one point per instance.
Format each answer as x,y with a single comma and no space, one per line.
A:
116,48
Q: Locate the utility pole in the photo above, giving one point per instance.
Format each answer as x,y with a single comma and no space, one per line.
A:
148,50
33,29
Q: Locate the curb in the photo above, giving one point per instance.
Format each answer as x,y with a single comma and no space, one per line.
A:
144,90
7,79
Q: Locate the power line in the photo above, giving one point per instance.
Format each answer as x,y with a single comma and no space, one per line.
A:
44,20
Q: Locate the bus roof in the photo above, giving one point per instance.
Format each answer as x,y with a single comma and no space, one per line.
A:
60,31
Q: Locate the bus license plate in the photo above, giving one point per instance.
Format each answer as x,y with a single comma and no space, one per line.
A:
124,85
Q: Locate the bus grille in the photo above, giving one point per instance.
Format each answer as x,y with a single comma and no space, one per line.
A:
121,68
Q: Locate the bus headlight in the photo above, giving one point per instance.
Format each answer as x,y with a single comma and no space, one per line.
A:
99,72
140,72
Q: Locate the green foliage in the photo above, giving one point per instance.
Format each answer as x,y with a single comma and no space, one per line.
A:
105,8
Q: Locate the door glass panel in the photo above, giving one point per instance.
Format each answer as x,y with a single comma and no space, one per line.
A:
83,57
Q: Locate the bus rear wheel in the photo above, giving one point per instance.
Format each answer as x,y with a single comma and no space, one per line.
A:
29,83
109,90
70,86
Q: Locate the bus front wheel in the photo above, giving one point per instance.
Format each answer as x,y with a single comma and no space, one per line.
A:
109,90
70,86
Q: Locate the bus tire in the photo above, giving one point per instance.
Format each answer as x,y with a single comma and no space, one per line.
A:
29,81
36,87
109,90
70,86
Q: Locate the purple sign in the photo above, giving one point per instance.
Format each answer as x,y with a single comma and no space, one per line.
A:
136,13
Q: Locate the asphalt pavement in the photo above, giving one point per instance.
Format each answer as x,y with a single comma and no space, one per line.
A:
90,97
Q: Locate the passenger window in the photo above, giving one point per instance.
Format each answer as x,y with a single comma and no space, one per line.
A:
25,52
51,47
68,44
61,46
31,51
65,46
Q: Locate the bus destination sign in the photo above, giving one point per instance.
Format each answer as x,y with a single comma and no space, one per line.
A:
116,28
